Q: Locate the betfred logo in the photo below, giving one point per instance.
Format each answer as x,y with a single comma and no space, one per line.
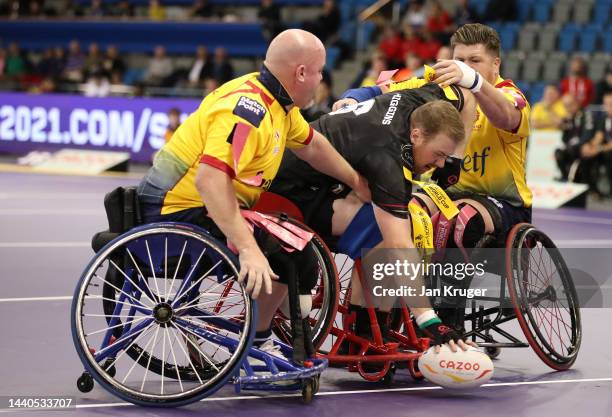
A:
459,366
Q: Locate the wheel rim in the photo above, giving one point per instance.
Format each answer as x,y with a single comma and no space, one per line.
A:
543,296
163,320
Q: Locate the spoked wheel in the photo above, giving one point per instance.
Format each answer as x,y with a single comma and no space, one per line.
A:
324,296
543,296
144,321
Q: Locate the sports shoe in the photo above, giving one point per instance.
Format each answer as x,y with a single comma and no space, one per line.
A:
270,348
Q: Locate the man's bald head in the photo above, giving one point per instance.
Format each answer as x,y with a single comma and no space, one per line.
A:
296,58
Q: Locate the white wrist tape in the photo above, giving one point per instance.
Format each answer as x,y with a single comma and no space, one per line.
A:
470,79
425,317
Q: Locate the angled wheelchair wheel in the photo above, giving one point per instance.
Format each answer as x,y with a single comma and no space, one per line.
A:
144,317
324,296
543,296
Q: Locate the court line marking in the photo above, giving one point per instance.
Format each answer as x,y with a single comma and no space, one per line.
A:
20,169
576,219
584,242
52,196
45,244
19,299
48,212
333,393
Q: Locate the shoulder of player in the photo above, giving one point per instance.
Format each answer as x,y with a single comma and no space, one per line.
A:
244,102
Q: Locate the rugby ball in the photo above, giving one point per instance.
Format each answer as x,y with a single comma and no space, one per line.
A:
457,370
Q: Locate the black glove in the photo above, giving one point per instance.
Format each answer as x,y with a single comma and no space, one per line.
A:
440,333
449,174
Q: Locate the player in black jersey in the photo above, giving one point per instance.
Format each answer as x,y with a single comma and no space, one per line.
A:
414,129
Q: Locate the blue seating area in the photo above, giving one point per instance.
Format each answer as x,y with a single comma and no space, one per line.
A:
240,39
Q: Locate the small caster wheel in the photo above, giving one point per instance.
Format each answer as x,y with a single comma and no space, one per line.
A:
415,372
85,383
109,367
493,352
307,391
389,377
316,383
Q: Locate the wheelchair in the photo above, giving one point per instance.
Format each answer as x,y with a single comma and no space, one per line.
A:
535,288
158,318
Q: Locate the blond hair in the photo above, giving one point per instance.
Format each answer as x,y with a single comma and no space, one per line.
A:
438,117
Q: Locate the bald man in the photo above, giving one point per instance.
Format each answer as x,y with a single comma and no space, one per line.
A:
228,152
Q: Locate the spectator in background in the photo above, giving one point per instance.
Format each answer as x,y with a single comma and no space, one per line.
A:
411,43
323,100
327,23
269,15
160,67
59,62
69,9
200,69
210,84
464,13
202,9
550,112
576,128
413,68
604,86
369,74
93,61
75,61
45,67
15,65
598,150
222,70
415,15
429,47
156,10
501,11
444,53
96,9
391,46
35,9
439,23
97,85
113,66
123,9
174,121
577,83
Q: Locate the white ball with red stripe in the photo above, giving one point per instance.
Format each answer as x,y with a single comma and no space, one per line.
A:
457,370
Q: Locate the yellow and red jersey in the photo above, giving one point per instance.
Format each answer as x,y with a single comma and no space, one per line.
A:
240,128
494,161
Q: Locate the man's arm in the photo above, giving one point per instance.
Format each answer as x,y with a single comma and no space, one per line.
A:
396,233
217,192
499,110
323,157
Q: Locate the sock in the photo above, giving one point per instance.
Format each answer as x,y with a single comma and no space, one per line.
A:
261,337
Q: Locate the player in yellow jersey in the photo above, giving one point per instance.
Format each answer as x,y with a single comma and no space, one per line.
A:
488,179
227,153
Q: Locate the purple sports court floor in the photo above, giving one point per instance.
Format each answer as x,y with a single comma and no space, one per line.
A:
46,222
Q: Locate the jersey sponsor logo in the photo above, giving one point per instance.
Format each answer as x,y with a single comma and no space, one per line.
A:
392,109
476,162
250,110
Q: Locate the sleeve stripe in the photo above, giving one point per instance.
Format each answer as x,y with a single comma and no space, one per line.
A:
239,139
219,164
310,136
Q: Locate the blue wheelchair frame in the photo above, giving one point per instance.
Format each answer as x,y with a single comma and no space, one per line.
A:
131,293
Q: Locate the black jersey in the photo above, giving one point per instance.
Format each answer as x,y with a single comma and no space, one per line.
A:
374,137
